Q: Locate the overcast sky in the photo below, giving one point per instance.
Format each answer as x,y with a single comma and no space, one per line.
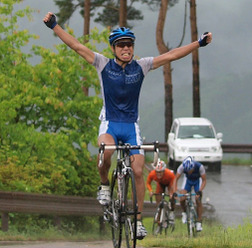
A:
228,20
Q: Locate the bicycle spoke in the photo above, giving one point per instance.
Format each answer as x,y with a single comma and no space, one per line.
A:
115,223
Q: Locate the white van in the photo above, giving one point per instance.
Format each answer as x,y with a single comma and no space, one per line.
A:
195,137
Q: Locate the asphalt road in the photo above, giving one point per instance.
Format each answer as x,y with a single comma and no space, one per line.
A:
95,244
230,193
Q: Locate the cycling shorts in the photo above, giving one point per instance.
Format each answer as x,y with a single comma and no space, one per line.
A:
189,184
160,188
125,132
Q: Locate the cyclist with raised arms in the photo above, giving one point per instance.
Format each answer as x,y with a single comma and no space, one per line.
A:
121,79
164,178
195,177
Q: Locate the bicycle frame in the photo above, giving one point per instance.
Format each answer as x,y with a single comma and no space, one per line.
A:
123,210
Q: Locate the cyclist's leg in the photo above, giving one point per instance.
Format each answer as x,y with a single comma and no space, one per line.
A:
103,171
107,137
198,201
185,188
137,166
159,191
172,203
172,198
199,209
130,133
183,206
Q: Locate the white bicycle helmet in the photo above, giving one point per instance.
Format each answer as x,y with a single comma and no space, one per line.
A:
188,164
160,166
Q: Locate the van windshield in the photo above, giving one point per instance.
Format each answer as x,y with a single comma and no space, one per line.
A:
196,132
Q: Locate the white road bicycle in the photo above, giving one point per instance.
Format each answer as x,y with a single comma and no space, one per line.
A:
122,212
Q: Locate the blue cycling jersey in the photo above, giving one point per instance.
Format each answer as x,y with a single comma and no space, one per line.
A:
197,171
121,87
193,179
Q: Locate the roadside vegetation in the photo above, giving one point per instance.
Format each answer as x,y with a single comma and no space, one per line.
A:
213,235
237,161
47,123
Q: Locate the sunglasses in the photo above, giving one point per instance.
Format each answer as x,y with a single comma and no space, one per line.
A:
122,44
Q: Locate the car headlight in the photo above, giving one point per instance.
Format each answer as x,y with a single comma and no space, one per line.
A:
215,148
182,148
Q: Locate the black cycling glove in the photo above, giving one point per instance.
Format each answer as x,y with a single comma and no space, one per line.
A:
202,40
199,193
174,195
52,22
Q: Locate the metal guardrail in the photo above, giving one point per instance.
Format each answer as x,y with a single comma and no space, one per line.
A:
227,148
234,148
30,203
18,202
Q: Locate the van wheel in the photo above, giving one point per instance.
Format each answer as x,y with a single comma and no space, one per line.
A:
217,166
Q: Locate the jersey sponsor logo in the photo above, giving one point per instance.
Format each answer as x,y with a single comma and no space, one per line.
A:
132,79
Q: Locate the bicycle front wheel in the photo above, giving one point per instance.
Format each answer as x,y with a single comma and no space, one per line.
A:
115,222
165,218
191,221
130,210
156,227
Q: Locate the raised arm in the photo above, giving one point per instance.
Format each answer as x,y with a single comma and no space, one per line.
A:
181,52
69,40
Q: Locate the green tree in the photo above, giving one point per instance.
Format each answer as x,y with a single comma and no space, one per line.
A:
107,11
195,60
43,136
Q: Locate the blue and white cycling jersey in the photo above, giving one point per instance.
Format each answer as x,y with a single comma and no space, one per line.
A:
193,179
121,87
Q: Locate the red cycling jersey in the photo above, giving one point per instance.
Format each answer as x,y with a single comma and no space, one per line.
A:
166,180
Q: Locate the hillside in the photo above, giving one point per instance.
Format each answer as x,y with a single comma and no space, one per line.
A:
225,100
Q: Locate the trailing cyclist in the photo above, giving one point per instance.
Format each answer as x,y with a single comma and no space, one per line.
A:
195,177
164,179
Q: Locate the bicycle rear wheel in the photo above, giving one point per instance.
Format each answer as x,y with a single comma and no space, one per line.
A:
130,210
116,225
